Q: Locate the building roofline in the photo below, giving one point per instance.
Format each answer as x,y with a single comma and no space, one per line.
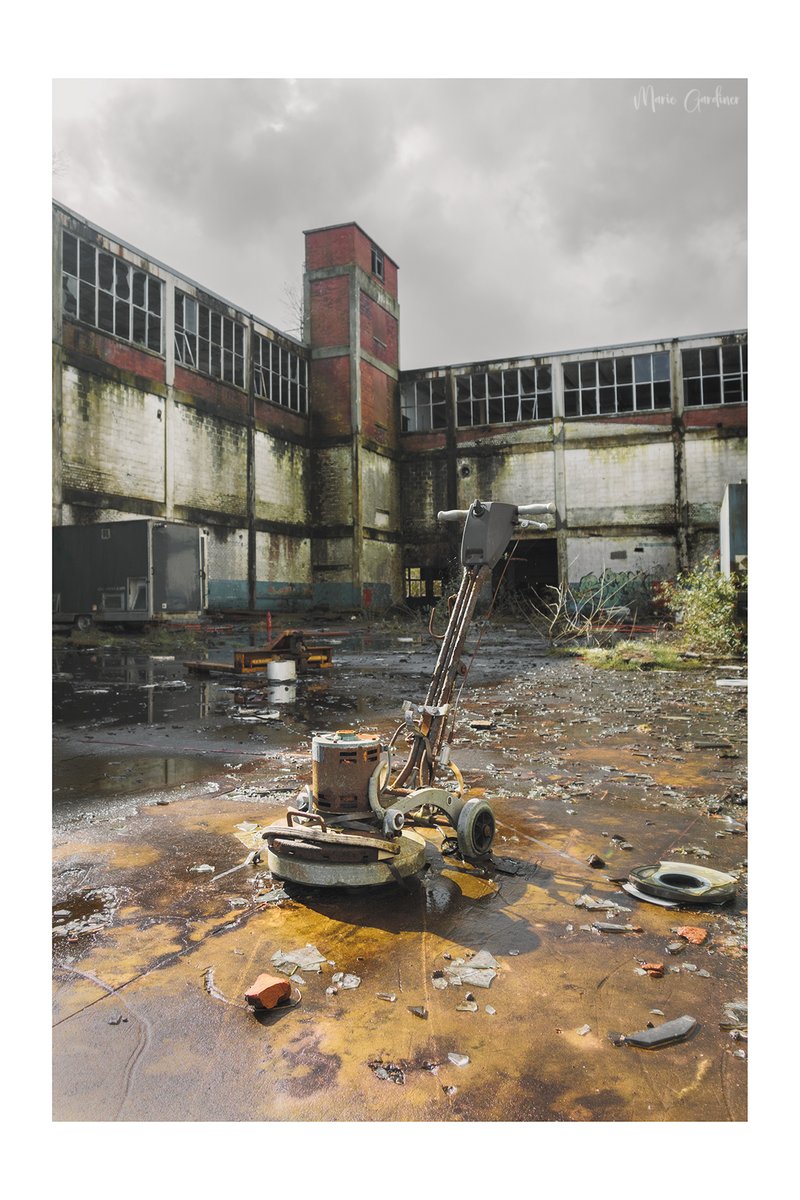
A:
488,362
348,225
114,237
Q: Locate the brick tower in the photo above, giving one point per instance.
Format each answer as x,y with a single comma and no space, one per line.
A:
352,320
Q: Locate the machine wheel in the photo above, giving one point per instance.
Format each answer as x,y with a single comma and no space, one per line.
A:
475,829
83,623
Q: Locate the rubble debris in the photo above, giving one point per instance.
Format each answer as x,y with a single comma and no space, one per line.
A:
458,1060
306,958
491,1011
675,947
592,904
735,1015
479,971
116,1020
482,724
419,1011
654,970
394,1072
388,996
662,1035
449,1089
594,860
584,1029
610,927
691,933
467,1006
202,868
267,991
346,982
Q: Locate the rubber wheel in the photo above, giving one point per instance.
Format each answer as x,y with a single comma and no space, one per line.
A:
475,829
83,623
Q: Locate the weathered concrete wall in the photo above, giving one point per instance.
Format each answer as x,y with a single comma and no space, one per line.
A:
383,572
227,568
711,464
620,484
281,483
380,492
620,556
284,572
112,438
511,477
210,463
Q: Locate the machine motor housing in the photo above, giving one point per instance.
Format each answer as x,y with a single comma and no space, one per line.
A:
342,765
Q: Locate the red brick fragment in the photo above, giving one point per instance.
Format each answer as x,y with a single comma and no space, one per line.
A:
692,933
656,970
267,991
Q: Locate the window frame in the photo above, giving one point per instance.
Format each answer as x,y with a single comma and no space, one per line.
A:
104,294
606,380
482,393
694,383
211,343
281,366
434,408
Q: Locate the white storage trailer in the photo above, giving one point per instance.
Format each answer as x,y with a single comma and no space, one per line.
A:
127,572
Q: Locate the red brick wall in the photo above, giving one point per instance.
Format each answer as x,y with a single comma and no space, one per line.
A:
378,406
330,390
330,247
226,400
728,415
273,418
377,323
330,311
343,245
120,354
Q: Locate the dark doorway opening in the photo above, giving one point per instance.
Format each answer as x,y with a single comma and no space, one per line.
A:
531,571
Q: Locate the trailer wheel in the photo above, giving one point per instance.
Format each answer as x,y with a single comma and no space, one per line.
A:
475,829
83,622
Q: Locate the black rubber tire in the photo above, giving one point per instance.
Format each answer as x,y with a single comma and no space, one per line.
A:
476,826
83,623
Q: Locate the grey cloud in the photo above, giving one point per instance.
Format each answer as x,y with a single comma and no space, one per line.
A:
524,214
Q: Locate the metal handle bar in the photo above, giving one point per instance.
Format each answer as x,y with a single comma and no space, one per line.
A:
527,510
523,510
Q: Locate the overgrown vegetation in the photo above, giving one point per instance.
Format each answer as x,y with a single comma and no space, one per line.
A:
704,602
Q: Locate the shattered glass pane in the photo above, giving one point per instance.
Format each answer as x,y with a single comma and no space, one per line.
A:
86,297
70,251
70,296
105,272
105,312
154,296
87,259
122,319
123,284
139,283
154,332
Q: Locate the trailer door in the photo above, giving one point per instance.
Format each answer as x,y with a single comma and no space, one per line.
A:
176,569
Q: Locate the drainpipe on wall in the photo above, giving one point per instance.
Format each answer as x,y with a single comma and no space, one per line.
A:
252,571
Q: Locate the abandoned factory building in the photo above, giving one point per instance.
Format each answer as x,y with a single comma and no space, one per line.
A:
316,467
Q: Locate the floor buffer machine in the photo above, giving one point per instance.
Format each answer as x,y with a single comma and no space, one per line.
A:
354,825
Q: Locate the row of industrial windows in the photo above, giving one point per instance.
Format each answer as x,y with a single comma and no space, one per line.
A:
627,383
110,294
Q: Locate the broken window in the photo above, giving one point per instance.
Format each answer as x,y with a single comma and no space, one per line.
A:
629,383
280,375
504,397
208,341
423,585
423,405
377,262
112,295
715,375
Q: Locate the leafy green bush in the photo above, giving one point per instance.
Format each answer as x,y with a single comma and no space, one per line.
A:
704,600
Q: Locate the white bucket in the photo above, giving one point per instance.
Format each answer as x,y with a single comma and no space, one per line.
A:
282,693
280,670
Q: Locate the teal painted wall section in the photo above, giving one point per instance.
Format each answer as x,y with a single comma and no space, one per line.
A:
231,594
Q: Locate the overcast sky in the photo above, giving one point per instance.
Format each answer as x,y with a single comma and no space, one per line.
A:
525,215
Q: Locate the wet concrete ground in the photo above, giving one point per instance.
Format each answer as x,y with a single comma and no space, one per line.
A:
154,769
